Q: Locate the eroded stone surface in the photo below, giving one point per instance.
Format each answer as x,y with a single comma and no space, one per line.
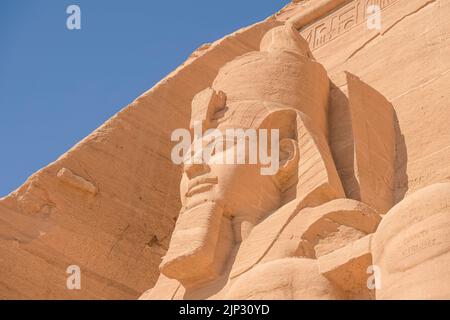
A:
364,114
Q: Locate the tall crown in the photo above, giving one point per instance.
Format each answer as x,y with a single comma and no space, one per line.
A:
281,75
285,39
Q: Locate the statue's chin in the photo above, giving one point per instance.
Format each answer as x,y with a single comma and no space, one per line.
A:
193,254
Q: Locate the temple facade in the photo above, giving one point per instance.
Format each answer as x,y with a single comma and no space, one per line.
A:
360,205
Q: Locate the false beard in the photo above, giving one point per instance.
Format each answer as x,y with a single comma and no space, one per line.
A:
200,245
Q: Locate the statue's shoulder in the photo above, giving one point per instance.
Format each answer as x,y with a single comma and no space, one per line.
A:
308,232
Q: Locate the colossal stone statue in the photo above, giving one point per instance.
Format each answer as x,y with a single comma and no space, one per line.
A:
297,234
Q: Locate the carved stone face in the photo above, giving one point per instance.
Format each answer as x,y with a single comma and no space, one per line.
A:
222,202
243,192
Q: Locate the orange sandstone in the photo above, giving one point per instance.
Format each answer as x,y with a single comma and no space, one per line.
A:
363,185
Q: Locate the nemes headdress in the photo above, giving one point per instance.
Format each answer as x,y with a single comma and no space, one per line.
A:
282,87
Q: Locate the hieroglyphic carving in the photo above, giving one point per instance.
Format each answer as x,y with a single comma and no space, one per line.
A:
340,21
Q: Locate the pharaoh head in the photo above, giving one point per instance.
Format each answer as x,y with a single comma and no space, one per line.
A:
275,102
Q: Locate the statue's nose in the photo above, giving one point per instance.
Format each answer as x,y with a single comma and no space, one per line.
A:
193,170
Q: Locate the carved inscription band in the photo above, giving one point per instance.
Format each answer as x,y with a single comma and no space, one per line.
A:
340,21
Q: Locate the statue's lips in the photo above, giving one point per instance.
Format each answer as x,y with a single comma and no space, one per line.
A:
200,184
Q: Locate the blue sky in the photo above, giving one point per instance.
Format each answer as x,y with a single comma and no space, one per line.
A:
58,85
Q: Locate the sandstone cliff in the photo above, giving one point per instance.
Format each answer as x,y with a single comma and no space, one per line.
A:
110,203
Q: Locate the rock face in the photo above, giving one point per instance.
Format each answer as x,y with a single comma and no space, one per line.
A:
363,183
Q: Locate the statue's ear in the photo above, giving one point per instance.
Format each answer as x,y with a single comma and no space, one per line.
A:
285,121
289,157
315,177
